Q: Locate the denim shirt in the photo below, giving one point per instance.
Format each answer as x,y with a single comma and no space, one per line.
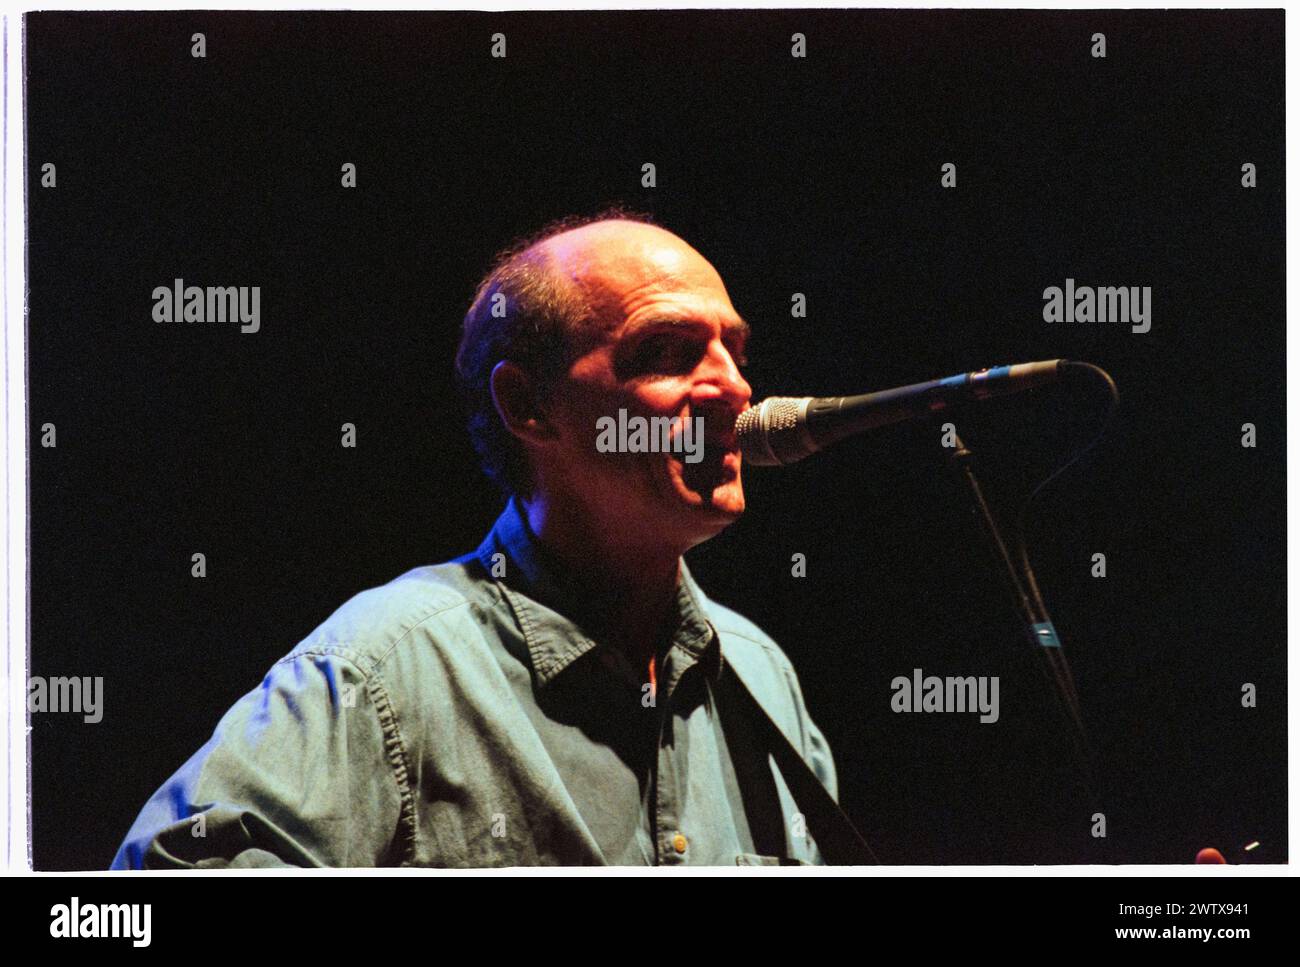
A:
467,714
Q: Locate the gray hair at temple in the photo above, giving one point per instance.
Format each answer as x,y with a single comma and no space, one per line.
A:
538,325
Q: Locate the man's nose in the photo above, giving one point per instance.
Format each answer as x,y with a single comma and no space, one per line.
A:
720,380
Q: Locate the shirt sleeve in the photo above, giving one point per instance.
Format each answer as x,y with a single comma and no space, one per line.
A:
305,770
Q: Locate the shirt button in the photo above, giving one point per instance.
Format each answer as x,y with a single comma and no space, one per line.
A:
679,843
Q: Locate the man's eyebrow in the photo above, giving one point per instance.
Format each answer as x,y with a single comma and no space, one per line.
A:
734,327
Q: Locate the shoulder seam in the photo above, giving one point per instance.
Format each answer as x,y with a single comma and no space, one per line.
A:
366,663
463,602
390,728
398,760
346,652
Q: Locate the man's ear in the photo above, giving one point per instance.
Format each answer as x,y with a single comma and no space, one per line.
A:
517,399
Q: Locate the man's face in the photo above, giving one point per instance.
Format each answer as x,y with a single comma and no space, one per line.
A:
669,344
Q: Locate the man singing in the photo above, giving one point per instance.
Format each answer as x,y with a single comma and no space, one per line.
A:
566,694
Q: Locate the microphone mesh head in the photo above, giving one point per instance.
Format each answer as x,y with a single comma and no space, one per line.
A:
782,414
759,426
749,435
747,422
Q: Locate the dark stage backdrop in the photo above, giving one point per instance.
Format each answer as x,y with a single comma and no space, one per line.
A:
818,175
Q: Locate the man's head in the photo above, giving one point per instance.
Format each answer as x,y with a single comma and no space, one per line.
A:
584,321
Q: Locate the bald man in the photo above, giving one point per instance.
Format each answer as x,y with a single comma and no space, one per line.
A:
566,694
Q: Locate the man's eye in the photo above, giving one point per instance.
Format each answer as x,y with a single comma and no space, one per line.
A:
666,354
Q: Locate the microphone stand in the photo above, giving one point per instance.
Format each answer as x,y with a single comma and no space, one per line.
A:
1037,623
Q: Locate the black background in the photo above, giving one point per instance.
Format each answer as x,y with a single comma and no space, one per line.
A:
816,175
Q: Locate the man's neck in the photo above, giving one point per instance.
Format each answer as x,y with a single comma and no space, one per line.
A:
633,582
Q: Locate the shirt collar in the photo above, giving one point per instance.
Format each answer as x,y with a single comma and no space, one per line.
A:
557,619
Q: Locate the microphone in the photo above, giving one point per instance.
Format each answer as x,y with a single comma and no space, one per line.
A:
784,429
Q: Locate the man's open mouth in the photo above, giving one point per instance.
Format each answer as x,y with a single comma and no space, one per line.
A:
719,465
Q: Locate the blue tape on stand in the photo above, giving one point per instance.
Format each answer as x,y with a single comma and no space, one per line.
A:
1046,634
